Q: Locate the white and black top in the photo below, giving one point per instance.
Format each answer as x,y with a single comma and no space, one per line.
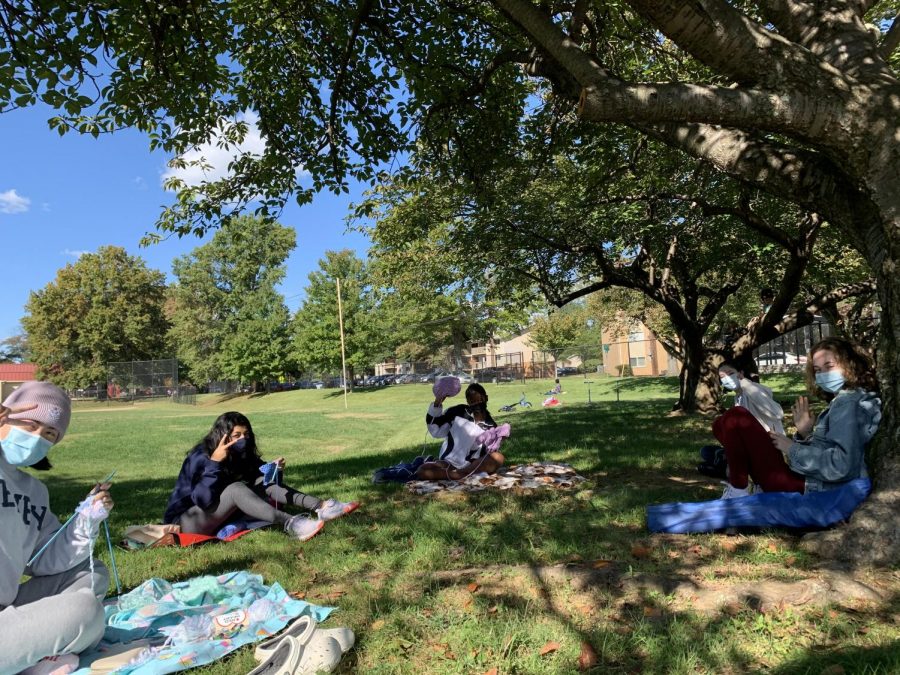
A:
460,431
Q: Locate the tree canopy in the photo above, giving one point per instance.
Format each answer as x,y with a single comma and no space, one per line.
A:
107,306
228,320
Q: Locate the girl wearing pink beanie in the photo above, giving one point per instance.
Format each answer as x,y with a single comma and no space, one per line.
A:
56,614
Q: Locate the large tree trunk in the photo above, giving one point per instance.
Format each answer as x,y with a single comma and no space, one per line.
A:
698,388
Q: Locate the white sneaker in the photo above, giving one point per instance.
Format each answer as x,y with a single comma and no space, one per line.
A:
332,508
732,492
303,528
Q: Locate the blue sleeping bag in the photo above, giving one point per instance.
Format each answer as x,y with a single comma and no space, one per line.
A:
766,509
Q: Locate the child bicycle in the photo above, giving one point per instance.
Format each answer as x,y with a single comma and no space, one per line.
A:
523,402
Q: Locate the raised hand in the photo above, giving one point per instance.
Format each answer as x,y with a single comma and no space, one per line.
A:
6,412
802,418
222,449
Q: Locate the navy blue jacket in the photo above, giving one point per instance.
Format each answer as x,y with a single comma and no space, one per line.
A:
202,480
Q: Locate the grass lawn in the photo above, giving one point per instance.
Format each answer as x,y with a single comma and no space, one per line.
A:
511,582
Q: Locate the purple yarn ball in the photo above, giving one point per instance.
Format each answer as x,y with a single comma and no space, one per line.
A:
446,386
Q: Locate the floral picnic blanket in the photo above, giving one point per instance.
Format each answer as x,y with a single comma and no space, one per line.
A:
532,476
194,622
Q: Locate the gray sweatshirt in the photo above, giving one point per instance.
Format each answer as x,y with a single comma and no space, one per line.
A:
26,524
835,452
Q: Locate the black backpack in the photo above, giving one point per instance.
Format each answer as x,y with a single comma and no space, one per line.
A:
713,463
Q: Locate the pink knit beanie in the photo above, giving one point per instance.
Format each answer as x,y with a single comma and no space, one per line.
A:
53,406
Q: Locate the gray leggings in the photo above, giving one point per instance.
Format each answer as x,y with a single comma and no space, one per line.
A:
56,614
239,497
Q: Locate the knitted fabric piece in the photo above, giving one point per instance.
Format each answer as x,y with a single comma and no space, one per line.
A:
492,438
446,387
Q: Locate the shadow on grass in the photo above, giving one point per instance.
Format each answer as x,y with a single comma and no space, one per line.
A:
389,556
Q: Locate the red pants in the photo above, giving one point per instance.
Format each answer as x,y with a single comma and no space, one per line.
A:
750,452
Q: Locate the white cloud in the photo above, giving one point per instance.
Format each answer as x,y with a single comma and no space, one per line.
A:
218,158
74,254
139,182
12,202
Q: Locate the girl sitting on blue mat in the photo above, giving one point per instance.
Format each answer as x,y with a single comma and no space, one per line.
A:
221,479
822,455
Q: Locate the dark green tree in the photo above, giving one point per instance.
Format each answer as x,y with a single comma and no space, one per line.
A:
107,306
316,329
228,321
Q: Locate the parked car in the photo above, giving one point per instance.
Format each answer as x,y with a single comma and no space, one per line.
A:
318,384
494,375
562,371
780,359
430,377
464,378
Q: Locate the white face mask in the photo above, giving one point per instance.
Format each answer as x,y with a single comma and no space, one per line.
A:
24,449
731,382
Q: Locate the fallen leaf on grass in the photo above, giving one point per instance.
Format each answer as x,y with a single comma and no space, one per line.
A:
492,609
549,648
492,671
729,545
790,560
335,594
732,608
443,649
674,555
640,551
378,624
772,547
600,564
652,612
299,595
472,587
588,657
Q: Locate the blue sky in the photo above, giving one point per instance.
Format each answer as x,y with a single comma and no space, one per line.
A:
60,197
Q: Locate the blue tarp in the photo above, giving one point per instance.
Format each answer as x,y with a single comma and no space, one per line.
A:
766,509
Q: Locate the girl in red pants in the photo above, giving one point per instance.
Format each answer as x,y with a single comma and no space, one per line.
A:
823,454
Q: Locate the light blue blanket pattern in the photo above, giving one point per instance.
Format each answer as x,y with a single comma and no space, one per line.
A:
180,617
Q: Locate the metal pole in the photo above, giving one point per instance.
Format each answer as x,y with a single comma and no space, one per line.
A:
343,357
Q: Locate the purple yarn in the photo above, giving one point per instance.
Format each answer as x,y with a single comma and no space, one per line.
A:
446,386
492,438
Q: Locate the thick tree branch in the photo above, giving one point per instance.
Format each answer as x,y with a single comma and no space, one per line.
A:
805,178
731,43
813,118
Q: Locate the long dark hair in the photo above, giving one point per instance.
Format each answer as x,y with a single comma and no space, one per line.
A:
222,427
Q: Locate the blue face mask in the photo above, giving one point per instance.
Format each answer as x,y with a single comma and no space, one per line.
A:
731,382
832,381
240,444
24,449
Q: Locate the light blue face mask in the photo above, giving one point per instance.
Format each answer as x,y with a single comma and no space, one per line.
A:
832,381
731,382
24,449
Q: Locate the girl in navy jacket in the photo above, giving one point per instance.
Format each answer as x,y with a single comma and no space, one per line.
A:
221,481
